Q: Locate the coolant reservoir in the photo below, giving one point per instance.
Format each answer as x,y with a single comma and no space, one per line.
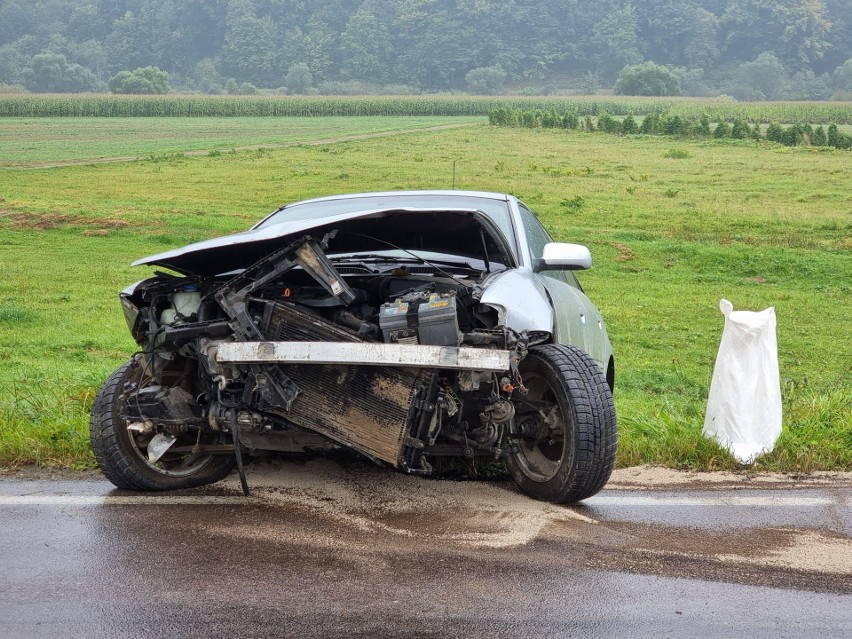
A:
184,304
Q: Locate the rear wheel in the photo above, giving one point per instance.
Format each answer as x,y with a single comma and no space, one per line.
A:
123,456
565,426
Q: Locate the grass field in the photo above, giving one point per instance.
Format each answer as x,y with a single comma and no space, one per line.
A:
28,141
673,226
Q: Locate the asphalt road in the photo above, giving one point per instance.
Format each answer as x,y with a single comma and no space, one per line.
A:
328,549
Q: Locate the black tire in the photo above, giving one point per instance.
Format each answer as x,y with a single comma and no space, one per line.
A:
567,456
120,454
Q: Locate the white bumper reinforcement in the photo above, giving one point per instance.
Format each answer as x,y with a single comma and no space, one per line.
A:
372,354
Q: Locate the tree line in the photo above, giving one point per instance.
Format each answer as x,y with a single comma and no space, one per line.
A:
750,49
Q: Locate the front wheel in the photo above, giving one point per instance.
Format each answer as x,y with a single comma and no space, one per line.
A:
122,454
565,426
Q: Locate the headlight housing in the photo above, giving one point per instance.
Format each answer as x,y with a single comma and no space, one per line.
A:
135,319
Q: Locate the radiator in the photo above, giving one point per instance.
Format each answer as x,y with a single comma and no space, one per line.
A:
366,408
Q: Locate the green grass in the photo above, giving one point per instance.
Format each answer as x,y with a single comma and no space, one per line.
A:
29,141
757,224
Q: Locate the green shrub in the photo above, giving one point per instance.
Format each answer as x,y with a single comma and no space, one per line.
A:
675,125
651,124
722,130
528,119
628,125
774,132
819,138
143,81
793,136
608,124
704,125
837,139
740,130
571,119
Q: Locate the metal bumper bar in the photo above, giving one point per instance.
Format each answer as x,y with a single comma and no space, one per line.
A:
359,353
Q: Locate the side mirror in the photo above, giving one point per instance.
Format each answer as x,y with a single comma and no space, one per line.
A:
563,257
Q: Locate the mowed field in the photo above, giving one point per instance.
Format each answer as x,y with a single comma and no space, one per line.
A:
673,225
26,142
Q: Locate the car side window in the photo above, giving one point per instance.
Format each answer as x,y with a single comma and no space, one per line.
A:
537,237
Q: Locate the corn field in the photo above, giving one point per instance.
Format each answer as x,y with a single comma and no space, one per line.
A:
72,105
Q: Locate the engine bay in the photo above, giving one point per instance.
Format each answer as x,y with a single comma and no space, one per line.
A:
396,415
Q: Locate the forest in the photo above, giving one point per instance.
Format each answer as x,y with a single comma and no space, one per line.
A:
748,49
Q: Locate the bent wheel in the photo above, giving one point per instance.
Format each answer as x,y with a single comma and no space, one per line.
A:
565,427
122,455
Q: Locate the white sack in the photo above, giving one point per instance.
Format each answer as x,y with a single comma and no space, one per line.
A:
744,406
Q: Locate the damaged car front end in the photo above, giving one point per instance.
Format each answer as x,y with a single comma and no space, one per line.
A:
405,326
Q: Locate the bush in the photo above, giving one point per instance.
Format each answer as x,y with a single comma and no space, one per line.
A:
703,127
675,125
774,132
740,130
723,130
505,116
819,138
485,80
571,120
608,124
647,79
793,135
143,81
628,125
837,139
529,119
299,79
651,124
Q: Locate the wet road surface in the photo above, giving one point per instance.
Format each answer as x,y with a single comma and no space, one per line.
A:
325,549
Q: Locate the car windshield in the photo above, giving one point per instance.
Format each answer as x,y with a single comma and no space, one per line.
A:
497,210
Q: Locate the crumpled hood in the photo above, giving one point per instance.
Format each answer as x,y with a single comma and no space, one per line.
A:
463,232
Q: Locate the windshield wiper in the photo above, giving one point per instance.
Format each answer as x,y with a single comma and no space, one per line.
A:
373,258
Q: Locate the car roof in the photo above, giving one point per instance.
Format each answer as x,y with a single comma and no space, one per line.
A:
407,194
393,199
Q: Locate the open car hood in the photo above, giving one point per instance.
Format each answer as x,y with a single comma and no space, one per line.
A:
454,231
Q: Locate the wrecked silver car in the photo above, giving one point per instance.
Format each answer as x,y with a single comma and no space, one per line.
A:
406,326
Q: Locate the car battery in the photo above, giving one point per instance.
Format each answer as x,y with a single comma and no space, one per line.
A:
428,320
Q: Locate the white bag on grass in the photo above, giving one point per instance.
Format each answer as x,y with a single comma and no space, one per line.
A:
744,406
